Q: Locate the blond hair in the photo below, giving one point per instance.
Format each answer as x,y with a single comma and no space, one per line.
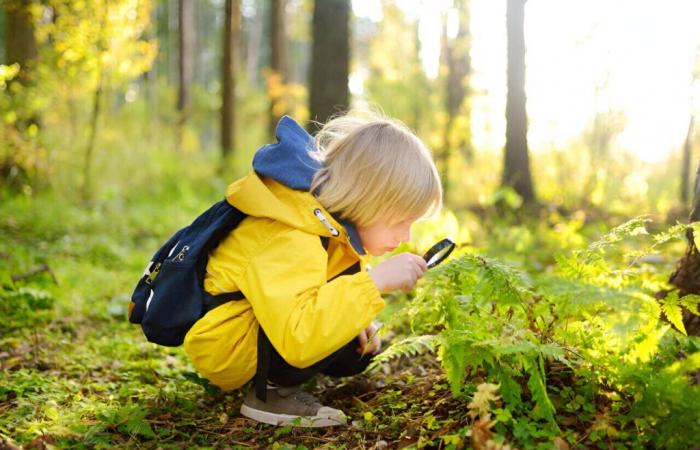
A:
374,168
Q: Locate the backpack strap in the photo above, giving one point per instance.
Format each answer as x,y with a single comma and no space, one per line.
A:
355,268
263,370
212,301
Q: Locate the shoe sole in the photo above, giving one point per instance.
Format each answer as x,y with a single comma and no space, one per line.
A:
287,419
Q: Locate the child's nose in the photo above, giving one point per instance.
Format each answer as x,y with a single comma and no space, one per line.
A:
405,234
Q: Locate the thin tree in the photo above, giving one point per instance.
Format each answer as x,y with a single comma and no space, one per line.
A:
21,48
253,43
20,43
278,62
330,60
685,168
232,27
186,21
457,61
86,188
516,167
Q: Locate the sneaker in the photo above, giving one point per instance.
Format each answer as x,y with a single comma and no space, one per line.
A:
291,406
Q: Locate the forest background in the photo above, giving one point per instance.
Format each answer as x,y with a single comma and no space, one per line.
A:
564,134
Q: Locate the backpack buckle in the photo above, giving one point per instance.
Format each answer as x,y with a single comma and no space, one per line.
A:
152,274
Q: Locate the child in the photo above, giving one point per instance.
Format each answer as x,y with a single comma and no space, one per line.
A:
315,209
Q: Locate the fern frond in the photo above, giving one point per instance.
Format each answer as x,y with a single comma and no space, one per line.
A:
633,227
481,401
410,346
691,302
576,295
553,351
538,389
501,283
675,232
583,265
511,391
454,357
672,310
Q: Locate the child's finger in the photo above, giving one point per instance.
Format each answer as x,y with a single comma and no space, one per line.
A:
363,340
375,346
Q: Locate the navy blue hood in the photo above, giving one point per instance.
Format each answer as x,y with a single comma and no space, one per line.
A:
290,162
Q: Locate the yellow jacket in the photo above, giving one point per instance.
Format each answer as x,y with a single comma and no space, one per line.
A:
276,259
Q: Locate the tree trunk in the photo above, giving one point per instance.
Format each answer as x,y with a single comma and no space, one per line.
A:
21,48
330,60
186,65
458,63
20,43
253,44
172,38
86,190
278,62
685,168
686,277
232,28
516,168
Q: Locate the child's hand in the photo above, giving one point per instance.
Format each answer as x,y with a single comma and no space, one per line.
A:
399,272
369,340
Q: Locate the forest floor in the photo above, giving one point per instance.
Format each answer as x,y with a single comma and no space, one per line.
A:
94,384
75,374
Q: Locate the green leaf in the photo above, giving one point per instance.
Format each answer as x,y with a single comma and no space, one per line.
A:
453,355
137,423
52,413
538,389
672,310
410,346
691,302
141,427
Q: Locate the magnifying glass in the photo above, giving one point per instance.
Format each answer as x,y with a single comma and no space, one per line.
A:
439,252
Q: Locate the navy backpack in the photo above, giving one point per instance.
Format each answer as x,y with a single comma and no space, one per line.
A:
170,297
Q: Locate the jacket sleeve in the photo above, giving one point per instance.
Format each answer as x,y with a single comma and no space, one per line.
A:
305,317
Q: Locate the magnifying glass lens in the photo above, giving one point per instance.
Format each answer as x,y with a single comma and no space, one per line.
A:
439,256
439,252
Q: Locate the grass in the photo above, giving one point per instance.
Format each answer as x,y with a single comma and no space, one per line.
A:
76,374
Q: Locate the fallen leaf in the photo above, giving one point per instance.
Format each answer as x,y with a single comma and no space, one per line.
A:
481,432
561,444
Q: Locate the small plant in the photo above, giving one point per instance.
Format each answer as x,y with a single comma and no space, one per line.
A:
24,307
585,338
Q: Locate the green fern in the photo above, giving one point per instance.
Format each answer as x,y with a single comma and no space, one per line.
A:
675,232
691,302
538,389
410,346
671,308
592,321
633,227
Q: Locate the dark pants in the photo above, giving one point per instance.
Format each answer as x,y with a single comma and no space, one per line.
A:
344,362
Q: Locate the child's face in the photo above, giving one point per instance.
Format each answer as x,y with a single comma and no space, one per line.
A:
380,238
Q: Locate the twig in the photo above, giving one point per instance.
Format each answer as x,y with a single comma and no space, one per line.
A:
35,271
36,347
